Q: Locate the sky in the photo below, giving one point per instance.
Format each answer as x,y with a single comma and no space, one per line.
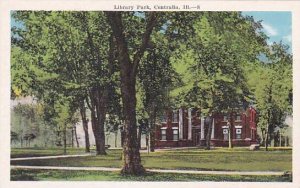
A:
276,24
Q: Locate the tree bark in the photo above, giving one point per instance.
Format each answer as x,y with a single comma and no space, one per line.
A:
132,161
85,126
208,134
152,140
97,108
101,112
147,143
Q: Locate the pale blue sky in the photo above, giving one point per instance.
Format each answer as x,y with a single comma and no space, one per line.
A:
277,25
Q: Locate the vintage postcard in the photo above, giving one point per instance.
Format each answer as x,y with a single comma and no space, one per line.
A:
149,93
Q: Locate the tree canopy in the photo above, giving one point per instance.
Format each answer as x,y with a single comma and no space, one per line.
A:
115,63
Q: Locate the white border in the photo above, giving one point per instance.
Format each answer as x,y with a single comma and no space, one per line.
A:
7,5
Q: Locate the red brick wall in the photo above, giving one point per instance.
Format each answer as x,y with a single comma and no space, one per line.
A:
247,122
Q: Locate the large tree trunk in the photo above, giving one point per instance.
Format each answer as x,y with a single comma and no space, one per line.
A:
98,118
131,154
101,112
97,135
152,140
85,127
132,161
147,143
122,139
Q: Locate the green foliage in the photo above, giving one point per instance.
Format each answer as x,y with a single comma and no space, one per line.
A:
211,64
271,84
60,58
156,77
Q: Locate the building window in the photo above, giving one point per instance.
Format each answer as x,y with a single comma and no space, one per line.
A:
225,133
225,118
175,116
238,118
238,133
163,118
175,134
163,134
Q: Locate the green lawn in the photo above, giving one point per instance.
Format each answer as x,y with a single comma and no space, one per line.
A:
61,175
237,159
38,152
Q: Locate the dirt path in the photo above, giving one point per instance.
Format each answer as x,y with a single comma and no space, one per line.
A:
257,173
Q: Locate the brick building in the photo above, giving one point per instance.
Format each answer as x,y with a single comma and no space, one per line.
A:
186,127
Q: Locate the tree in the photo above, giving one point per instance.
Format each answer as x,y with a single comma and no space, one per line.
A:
13,137
273,91
128,72
64,118
155,76
214,79
84,119
24,123
67,47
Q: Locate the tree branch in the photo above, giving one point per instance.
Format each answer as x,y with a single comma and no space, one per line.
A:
152,20
115,22
88,104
